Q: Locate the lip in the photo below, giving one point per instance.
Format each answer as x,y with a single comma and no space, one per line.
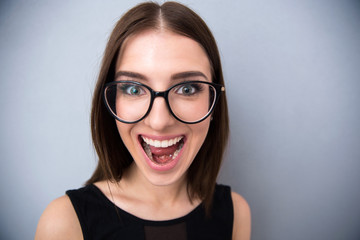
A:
161,167
161,138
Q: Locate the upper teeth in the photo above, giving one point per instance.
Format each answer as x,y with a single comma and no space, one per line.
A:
163,143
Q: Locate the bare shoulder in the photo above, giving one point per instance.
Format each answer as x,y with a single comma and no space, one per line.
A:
242,218
59,221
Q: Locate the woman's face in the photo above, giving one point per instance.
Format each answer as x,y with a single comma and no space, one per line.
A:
162,147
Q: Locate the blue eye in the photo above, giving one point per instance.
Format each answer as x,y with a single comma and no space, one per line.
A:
188,89
132,89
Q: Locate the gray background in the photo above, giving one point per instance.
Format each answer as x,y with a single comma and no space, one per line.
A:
292,77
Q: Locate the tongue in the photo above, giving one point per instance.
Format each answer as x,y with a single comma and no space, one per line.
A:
162,159
162,155
164,151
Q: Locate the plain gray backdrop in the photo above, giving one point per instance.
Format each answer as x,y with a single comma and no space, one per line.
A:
292,77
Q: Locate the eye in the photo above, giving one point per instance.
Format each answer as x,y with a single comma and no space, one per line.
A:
188,89
132,89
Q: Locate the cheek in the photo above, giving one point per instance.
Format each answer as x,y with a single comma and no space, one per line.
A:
125,133
200,131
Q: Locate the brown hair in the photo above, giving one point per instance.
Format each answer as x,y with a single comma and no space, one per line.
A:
114,157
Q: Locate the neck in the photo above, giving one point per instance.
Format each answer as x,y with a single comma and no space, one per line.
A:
135,183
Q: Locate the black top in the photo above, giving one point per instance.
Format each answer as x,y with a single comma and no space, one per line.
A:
99,219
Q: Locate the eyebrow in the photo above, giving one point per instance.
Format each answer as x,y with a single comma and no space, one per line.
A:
176,76
130,74
188,75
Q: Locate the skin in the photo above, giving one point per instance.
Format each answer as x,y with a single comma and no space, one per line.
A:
155,57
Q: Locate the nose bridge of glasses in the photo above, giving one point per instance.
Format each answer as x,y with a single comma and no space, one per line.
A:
163,94
160,94
159,108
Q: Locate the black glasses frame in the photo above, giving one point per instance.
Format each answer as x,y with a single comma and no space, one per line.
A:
154,94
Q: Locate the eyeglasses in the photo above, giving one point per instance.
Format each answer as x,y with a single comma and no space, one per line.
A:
189,102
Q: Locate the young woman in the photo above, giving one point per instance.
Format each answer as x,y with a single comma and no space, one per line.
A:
160,126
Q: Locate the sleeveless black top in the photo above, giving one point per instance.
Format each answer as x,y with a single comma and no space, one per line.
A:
101,219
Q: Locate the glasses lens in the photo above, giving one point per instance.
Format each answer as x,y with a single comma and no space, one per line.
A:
127,100
192,101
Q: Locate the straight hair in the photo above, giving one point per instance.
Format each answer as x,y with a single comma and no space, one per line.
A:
114,158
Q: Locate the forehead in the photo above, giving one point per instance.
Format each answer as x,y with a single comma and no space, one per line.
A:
154,51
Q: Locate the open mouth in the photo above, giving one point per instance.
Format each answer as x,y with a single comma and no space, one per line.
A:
162,152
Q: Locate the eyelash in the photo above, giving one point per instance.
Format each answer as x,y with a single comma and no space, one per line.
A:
194,86
198,87
125,88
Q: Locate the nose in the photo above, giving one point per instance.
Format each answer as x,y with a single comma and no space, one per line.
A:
159,117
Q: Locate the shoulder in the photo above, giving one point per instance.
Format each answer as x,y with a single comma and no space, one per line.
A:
242,217
59,221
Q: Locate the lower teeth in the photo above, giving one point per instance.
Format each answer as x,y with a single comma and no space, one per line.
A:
171,156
